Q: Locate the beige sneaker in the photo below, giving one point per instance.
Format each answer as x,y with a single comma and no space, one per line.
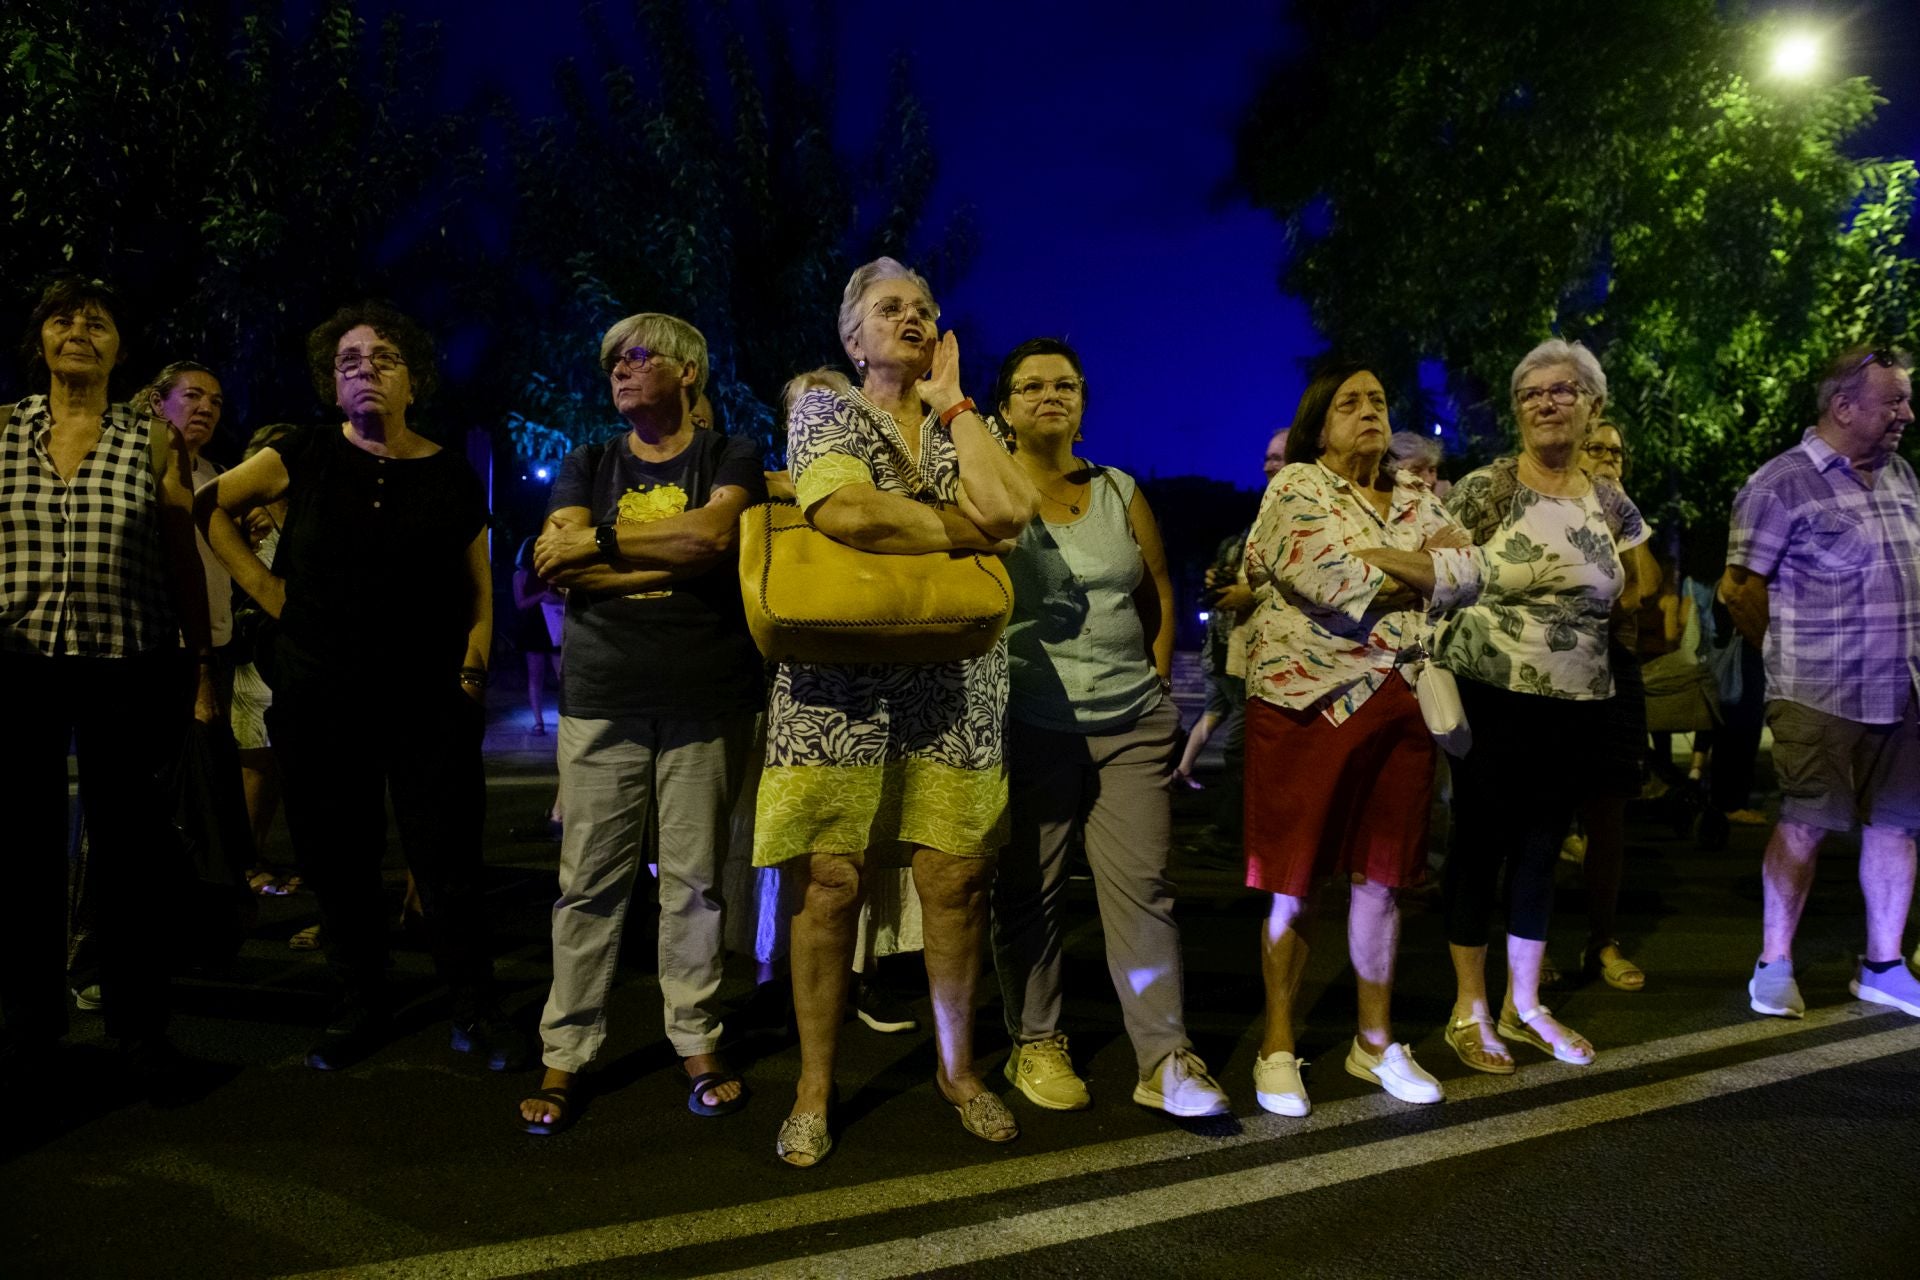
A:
1044,1073
1180,1086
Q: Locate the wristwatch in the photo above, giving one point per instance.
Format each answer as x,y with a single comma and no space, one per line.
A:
607,539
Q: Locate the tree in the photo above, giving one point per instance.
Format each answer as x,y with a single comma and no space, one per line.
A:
1460,181
235,183
656,189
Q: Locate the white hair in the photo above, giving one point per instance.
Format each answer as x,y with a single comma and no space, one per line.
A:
1586,370
656,331
1406,446
864,279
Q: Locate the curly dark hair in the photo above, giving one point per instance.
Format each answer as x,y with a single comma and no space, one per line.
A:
1305,438
416,348
64,296
1003,384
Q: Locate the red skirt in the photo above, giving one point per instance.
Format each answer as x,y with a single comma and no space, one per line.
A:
1351,799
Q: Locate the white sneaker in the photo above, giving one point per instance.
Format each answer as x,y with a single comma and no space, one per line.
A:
1277,1085
1180,1086
1044,1073
1394,1070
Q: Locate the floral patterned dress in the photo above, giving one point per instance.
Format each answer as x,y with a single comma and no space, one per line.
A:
876,758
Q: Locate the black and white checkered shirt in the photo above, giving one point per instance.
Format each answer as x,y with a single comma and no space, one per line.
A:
82,569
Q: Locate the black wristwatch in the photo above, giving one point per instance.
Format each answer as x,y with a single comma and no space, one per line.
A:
607,539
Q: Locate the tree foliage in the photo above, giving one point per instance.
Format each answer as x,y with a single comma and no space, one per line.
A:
1460,181
714,195
236,182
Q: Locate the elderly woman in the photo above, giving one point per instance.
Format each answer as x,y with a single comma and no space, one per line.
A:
1531,657
1339,761
1411,451
1623,745
870,765
101,580
1092,730
383,594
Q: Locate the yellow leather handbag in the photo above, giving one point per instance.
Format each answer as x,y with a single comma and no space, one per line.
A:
811,599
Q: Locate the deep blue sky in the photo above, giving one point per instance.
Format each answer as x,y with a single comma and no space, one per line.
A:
1094,143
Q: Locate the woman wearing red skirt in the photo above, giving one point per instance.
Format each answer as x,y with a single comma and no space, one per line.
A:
1346,559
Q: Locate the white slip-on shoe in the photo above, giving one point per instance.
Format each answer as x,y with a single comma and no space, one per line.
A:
1277,1085
1394,1070
1180,1086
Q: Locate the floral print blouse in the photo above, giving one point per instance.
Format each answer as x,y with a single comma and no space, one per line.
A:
1319,640
1553,572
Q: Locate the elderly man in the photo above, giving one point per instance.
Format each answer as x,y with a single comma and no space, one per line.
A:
658,694
1823,571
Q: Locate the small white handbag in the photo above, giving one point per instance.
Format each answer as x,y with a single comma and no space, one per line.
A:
1439,696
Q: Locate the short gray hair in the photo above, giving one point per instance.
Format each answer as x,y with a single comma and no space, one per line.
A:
864,279
1406,446
1586,370
1847,370
798,385
657,331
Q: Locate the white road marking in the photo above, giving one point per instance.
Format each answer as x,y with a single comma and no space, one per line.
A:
658,1235
1026,1232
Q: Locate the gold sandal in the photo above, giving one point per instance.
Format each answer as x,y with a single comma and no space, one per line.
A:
1464,1035
1621,974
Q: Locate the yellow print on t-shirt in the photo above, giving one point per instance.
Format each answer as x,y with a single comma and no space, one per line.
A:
643,506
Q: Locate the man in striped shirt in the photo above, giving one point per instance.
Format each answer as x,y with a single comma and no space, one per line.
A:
1823,571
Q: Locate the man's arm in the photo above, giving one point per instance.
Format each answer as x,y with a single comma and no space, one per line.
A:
1745,594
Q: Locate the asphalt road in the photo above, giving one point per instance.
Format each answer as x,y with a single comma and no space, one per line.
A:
1707,1140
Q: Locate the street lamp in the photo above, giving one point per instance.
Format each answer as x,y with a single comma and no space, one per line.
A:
1796,56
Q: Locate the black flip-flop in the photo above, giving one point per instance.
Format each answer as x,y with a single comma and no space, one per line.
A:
563,1108
710,1080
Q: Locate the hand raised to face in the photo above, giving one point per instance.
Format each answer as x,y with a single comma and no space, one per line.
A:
940,389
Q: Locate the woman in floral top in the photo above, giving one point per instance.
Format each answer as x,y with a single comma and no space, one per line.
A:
872,764
1339,761
1535,680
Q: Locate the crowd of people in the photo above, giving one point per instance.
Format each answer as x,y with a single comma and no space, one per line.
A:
338,577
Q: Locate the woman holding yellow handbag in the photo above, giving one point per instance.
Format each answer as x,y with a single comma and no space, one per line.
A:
875,764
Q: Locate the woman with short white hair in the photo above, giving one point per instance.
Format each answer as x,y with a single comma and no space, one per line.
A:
868,764
1531,657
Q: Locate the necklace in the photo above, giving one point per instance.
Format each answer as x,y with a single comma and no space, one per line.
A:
1073,508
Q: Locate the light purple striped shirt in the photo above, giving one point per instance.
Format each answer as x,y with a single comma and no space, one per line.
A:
1842,564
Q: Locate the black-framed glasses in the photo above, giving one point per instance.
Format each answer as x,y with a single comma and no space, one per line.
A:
348,362
1561,393
893,310
1605,452
1034,388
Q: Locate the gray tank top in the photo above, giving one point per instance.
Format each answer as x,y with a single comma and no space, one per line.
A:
1076,653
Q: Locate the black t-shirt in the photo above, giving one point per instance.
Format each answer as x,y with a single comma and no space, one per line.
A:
374,552
683,651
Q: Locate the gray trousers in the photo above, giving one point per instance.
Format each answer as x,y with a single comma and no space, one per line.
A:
613,774
1113,788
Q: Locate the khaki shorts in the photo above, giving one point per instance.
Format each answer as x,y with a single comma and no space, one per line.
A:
1836,773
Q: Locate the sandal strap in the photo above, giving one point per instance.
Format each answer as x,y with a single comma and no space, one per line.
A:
1528,1015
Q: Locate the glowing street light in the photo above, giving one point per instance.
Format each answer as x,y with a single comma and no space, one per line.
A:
1796,56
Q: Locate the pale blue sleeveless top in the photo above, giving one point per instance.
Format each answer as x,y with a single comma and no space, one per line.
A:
1075,651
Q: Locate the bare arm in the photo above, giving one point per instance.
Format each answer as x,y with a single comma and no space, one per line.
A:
528,589
1153,598
480,627
996,493
257,481
1745,593
186,572
597,575
862,516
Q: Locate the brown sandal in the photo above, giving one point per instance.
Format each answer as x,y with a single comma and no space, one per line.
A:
1464,1035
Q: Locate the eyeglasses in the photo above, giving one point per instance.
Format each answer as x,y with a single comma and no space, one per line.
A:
1034,388
892,310
1604,452
636,357
348,362
1561,393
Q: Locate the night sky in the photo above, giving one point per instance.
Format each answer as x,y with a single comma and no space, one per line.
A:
1095,149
